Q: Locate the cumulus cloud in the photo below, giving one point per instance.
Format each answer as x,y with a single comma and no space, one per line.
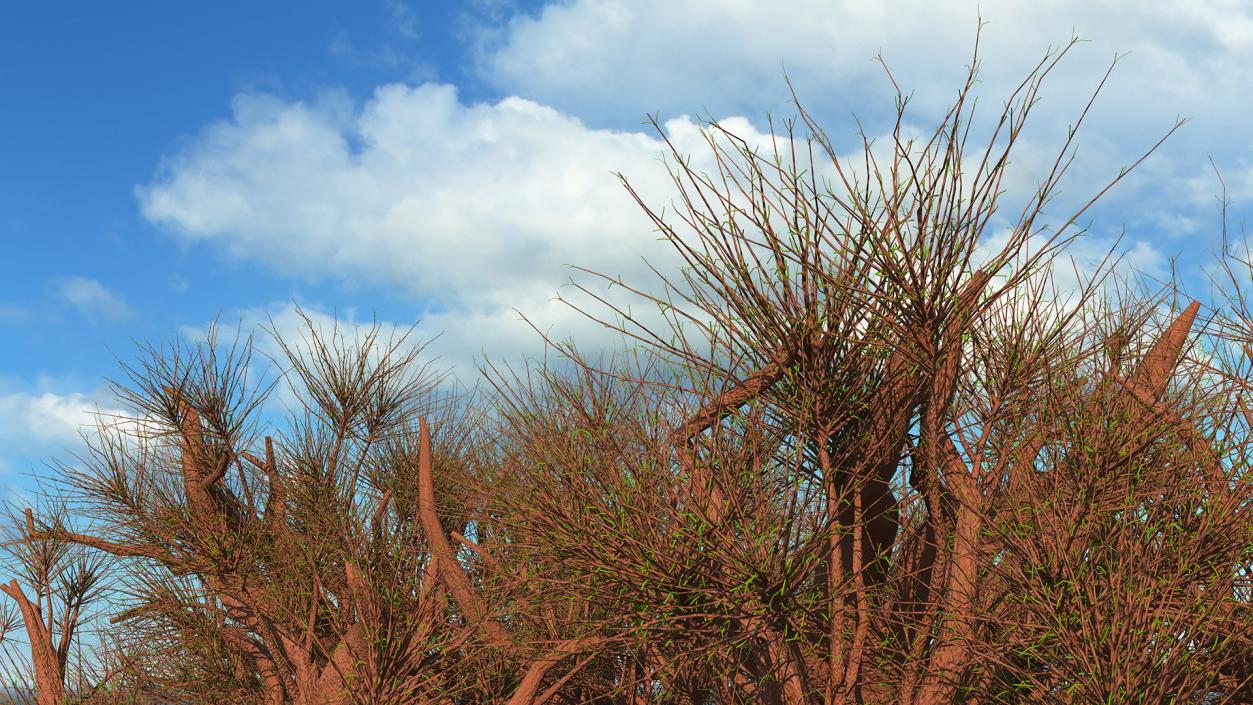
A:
476,209
618,58
38,426
457,202
473,209
45,418
93,300
611,61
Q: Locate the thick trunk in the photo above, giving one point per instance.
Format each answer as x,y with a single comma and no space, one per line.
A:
951,654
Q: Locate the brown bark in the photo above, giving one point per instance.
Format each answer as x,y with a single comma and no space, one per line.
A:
1156,367
49,665
527,692
448,568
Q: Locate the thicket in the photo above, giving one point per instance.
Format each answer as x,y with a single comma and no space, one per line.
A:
870,454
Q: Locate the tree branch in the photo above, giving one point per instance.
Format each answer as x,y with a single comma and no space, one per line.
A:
450,571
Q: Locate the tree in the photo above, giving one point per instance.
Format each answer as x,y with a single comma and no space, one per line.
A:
875,457
908,470
63,582
316,567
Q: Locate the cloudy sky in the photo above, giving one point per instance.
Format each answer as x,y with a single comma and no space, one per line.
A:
162,164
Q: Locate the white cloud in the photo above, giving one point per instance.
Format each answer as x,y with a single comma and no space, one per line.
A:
473,209
476,209
1074,267
464,203
619,58
459,343
38,427
93,300
290,323
45,418
611,61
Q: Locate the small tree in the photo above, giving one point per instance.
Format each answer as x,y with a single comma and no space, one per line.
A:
56,584
321,564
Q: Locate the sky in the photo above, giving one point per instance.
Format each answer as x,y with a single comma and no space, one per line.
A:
163,165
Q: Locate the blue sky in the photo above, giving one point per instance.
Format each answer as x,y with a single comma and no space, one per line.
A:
165,163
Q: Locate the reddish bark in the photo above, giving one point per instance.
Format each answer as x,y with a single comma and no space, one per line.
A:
48,660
